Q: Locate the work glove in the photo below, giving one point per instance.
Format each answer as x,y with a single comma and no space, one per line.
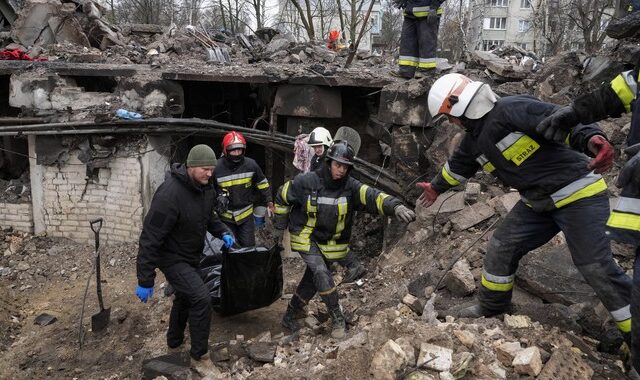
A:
630,173
432,17
228,240
428,196
144,293
404,214
603,151
557,126
222,204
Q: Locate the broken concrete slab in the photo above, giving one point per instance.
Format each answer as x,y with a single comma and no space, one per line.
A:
263,352
499,65
599,69
68,29
549,273
44,319
566,364
173,366
404,103
471,216
32,25
435,357
504,203
507,351
624,27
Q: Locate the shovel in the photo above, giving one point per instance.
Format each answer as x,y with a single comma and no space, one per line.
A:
100,320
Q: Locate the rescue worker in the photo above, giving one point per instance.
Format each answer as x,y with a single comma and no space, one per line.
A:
318,208
320,140
561,190
419,38
239,178
172,240
612,100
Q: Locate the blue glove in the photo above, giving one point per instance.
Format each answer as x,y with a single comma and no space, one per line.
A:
144,293
258,221
229,241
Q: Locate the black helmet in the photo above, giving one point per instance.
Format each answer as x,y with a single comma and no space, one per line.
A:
341,152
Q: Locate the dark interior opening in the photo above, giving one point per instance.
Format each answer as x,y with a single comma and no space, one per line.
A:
95,84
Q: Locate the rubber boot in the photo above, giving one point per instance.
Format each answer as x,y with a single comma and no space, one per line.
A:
477,311
354,273
205,367
338,324
295,312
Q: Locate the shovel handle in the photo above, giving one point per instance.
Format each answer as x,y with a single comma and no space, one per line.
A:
96,225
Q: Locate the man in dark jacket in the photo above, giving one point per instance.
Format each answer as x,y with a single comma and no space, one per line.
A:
172,240
240,179
318,208
419,39
561,190
612,100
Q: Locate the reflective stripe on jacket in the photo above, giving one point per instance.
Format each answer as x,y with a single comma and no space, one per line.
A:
547,174
245,185
316,209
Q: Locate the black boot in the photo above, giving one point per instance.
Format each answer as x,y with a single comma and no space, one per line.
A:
339,326
477,311
354,273
295,312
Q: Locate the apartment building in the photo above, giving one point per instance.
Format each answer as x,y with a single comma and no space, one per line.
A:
495,23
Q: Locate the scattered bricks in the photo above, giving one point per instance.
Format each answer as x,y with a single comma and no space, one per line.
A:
517,321
414,303
388,362
465,337
528,362
506,352
459,280
471,216
566,364
435,357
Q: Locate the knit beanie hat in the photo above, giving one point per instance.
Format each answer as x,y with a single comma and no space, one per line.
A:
201,155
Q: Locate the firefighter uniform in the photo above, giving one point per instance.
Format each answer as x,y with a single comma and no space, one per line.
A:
318,212
240,181
419,39
558,193
612,100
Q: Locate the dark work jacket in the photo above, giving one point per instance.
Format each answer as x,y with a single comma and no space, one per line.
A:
316,161
242,181
504,143
174,229
319,210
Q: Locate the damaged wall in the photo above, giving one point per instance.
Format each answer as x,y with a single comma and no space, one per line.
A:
17,216
114,192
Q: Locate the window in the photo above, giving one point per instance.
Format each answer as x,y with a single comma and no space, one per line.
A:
491,44
375,22
525,4
499,3
495,23
522,45
523,26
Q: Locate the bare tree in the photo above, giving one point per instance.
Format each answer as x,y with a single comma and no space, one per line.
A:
590,18
390,26
259,11
453,26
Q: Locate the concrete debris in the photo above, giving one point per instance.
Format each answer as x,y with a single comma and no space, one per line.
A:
504,203
263,352
388,361
517,321
624,27
499,66
565,363
459,281
472,191
507,351
471,216
420,375
528,362
435,357
497,370
414,303
467,338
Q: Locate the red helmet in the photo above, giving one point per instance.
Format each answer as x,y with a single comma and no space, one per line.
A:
233,140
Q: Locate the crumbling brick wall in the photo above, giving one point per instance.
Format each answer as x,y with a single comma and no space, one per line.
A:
113,193
19,216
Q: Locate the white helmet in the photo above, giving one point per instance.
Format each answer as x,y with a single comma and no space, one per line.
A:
457,95
320,136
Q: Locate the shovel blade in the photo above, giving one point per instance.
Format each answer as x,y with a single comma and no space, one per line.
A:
100,320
